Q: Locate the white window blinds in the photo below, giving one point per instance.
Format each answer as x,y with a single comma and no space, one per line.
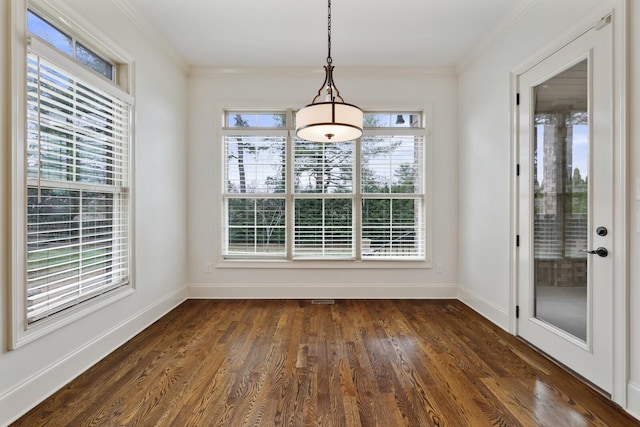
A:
393,200
255,181
323,199
77,188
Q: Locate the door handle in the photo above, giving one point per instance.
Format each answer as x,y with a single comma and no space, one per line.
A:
601,252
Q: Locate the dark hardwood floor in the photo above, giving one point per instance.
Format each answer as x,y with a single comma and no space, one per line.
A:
356,363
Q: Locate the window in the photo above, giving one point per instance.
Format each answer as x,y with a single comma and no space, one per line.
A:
292,199
76,158
47,32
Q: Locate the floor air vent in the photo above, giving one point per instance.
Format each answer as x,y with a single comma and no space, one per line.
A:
322,301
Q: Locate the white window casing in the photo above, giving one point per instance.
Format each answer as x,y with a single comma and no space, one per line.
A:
72,189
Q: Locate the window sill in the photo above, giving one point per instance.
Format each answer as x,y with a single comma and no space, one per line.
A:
46,326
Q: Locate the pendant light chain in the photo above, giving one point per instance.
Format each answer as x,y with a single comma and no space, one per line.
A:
329,59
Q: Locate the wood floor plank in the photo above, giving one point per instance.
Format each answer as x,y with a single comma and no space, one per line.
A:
103,377
354,363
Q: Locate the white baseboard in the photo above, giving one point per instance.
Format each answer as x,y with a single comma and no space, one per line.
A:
26,395
633,399
333,291
484,307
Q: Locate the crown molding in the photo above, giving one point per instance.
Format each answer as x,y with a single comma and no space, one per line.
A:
160,42
204,72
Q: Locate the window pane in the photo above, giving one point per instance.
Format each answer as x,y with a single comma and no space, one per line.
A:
93,61
323,168
392,228
377,120
323,228
97,157
255,164
75,132
396,119
256,227
74,247
255,119
392,164
47,32
49,122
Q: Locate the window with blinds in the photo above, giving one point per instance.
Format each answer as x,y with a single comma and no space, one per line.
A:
293,199
392,176
77,168
254,197
323,199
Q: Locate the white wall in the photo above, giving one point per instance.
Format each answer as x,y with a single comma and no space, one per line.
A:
211,90
634,197
29,374
485,163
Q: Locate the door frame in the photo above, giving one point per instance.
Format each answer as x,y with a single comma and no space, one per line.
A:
617,9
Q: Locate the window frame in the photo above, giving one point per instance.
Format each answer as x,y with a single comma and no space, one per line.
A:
21,331
238,261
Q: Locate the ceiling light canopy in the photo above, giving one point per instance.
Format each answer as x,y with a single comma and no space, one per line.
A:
331,120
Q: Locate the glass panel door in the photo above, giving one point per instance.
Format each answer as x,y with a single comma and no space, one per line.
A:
565,206
561,217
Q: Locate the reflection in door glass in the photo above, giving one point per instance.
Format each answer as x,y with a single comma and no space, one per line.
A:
561,153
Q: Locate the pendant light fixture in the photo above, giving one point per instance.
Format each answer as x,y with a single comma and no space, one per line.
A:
331,120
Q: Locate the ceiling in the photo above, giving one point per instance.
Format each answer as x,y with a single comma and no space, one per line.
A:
293,33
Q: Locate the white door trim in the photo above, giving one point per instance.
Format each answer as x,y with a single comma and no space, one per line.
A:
621,227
